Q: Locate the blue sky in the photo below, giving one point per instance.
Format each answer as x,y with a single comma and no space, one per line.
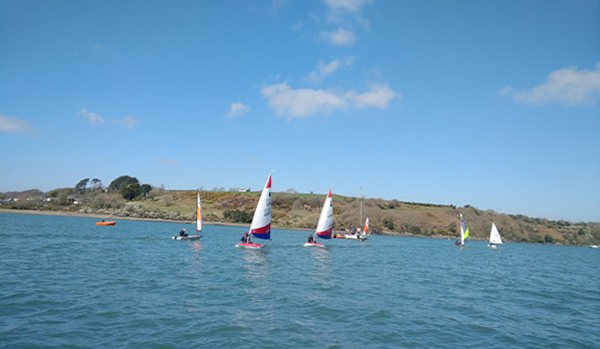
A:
489,103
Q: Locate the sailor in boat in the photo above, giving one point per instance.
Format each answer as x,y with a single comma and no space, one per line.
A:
246,238
457,243
183,233
310,239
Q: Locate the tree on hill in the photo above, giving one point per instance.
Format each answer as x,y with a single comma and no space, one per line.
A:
144,190
130,190
122,181
96,183
82,185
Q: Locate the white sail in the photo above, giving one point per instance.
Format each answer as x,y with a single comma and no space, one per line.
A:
495,235
325,225
198,213
464,230
261,222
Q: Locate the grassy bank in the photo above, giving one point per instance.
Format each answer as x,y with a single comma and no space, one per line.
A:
289,210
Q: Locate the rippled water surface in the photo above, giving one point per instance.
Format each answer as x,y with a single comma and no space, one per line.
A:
66,282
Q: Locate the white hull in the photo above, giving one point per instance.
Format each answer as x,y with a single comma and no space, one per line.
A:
355,237
191,237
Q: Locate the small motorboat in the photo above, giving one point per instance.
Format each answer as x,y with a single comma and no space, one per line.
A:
106,223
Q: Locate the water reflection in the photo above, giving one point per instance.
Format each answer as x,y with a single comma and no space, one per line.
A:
321,275
195,257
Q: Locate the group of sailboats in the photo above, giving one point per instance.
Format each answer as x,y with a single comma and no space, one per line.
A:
493,242
261,225
261,222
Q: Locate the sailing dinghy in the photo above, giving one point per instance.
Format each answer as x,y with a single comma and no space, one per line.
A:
261,222
198,223
464,232
325,225
494,237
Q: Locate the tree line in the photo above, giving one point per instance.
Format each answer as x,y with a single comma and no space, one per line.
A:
128,187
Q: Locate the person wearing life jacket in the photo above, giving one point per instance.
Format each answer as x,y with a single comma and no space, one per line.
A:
310,239
183,233
245,238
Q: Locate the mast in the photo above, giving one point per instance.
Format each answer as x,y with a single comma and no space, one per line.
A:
361,200
198,213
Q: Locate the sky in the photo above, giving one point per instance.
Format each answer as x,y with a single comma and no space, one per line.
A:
493,104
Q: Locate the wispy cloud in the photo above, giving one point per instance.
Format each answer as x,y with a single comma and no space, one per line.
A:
92,117
344,11
129,122
169,162
326,69
10,124
570,86
236,109
296,26
340,37
292,103
96,118
352,6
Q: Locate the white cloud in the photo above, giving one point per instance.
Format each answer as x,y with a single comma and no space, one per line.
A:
236,109
379,97
129,122
505,91
12,124
303,102
340,37
352,6
92,117
566,85
326,69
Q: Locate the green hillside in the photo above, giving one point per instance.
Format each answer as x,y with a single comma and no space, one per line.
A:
293,210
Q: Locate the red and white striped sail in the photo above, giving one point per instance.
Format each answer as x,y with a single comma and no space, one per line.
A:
198,213
366,228
325,225
261,222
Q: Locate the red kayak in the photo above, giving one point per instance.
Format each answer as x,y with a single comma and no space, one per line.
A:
106,223
249,245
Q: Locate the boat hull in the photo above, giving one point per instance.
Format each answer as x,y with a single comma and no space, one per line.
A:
251,246
107,223
192,237
313,244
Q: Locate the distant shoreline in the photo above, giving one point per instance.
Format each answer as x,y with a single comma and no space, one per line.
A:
105,216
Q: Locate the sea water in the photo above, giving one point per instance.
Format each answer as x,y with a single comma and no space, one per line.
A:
66,282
